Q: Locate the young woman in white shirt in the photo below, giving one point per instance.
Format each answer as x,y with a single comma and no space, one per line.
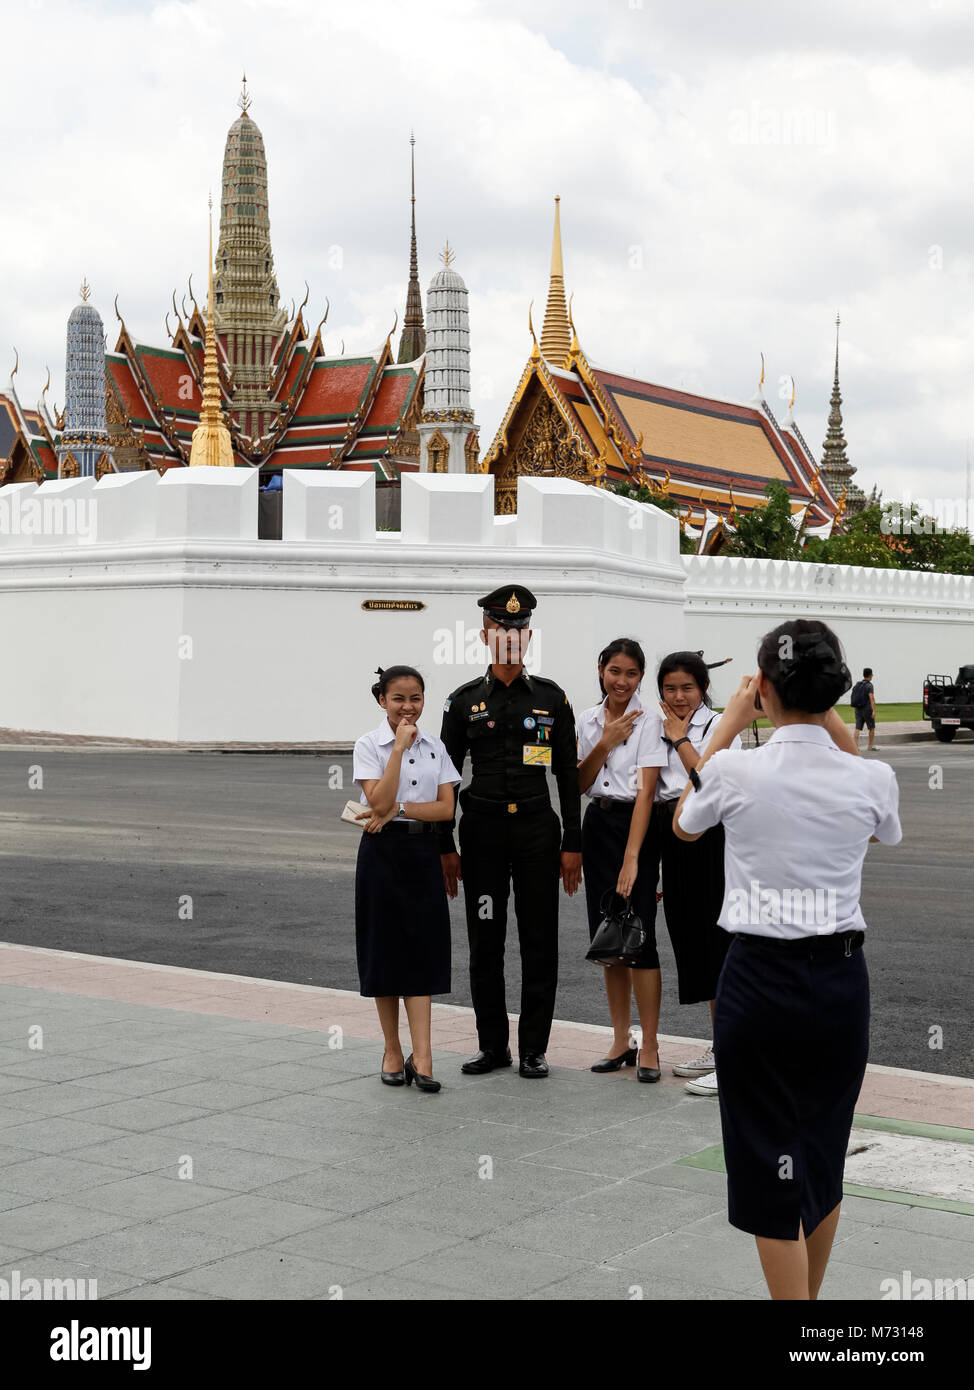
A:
693,875
620,751
792,1018
402,920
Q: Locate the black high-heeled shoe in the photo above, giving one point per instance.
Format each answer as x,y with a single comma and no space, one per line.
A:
625,1059
648,1073
425,1083
392,1078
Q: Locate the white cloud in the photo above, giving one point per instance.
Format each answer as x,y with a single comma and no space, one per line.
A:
730,176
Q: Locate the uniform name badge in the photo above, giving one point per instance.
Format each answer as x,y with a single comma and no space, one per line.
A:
537,754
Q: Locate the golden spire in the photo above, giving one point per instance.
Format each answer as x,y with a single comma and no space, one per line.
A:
244,99
448,255
211,439
556,338
85,290
535,354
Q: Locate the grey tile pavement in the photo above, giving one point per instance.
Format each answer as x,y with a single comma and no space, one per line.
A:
177,1155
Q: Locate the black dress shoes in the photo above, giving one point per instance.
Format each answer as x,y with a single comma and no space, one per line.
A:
533,1064
486,1061
648,1073
423,1083
625,1059
393,1078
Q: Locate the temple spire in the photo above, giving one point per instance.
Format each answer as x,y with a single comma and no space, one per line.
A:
412,341
556,338
211,439
836,468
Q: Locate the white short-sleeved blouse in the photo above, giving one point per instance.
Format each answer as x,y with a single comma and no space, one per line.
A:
617,777
798,815
700,730
425,766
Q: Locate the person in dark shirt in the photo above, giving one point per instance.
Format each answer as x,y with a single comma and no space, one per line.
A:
864,704
516,727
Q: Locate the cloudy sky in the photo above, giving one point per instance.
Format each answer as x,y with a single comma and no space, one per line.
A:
730,176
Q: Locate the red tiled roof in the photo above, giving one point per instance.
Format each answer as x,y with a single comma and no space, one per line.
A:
394,393
335,388
171,379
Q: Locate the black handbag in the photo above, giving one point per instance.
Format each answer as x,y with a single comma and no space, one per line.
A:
620,936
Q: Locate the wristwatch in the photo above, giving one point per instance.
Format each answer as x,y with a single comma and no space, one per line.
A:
402,809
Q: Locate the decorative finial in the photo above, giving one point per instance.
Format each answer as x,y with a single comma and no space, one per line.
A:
16,364
761,382
209,203
447,255
244,99
85,290
794,393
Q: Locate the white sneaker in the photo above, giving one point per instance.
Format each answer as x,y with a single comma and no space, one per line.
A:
703,1085
700,1066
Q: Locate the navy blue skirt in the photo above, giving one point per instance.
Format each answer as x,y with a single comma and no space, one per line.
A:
693,895
791,1041
605,834
402,918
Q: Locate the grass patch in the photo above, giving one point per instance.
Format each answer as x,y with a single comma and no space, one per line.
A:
885,714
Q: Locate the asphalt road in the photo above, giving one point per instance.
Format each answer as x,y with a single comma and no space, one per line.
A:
105,856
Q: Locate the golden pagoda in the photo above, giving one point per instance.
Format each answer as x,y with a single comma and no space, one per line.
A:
211,446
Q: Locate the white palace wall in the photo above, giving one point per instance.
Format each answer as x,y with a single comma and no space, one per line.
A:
902,623
160,615
146,607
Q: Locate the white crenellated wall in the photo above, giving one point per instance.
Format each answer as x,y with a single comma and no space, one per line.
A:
902,623
158,614
146,607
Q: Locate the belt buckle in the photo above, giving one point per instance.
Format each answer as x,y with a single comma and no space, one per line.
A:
511,808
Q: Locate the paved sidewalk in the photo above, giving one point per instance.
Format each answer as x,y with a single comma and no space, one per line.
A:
176,1134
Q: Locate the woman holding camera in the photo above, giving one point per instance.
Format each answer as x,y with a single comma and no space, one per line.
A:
792,1014
402,920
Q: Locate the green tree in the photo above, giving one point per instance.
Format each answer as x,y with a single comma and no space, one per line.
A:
892,537
767,532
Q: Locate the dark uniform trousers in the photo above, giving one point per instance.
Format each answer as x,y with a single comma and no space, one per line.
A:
496,851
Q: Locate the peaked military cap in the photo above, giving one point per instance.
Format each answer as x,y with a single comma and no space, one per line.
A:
511,605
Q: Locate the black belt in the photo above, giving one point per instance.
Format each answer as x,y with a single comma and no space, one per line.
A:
487,806
612,803
409,827
827,944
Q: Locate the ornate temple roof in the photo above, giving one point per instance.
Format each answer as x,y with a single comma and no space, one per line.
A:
308,409
569,417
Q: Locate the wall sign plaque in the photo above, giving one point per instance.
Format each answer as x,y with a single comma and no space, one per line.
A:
397,605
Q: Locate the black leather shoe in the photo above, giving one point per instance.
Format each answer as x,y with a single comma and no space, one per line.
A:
486,1061
625,1059
533,1064
424,1083
392,1078
648,1073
